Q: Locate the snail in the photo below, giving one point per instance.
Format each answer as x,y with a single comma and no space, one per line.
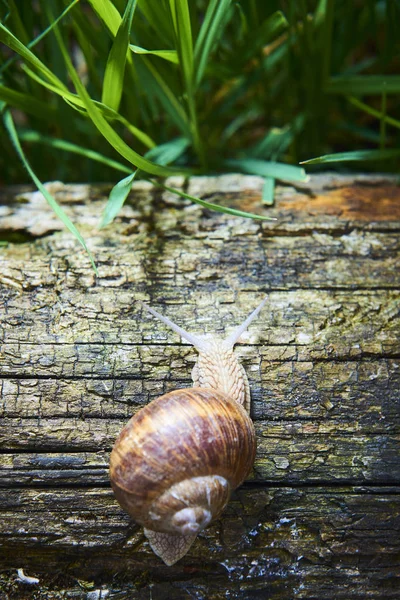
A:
176,462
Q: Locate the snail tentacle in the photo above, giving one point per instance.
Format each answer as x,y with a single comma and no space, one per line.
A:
235,335
198,342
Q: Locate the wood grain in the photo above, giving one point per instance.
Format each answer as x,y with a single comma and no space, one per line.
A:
319,516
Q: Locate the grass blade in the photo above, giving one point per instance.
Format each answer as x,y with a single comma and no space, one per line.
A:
382,128
363,84
12,42
169,55
9,124
183,31
157,84
267,195
277,140
77,103
158,16
18,24
27,103
184,44
34,137
374,113
105,128
324,21
210,205
42,34
115,68
164,154
116,200
215,20
263,168
355,155
108,13
268,30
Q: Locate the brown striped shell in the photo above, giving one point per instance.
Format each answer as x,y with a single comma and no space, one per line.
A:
177,460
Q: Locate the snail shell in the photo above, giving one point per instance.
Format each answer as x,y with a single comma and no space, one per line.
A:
177,460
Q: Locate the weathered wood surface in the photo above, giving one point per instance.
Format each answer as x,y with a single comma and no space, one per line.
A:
319,517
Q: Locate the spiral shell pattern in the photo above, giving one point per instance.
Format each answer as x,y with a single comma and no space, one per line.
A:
185,434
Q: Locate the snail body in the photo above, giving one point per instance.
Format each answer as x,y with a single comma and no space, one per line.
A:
176,462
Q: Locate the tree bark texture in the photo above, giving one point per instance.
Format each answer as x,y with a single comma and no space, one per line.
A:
319,518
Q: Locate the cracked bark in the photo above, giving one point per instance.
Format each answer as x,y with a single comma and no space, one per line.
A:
319,517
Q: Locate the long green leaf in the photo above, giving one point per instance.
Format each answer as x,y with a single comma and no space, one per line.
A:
373,112
268,190
183,31
321,11
33,136
158,16
27,103
166,97
268,30
169,55
111,18
162,155
184,43
364,84
108,13
115,68
116,200
77,103
42,34
9,124
276,141
211,205
355,155
167,153
12,42
105,128
18,24
324,20
272,169
215,20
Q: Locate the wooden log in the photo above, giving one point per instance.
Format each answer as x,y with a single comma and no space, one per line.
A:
319,516
275,542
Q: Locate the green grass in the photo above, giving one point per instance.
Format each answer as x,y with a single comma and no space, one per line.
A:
152,88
